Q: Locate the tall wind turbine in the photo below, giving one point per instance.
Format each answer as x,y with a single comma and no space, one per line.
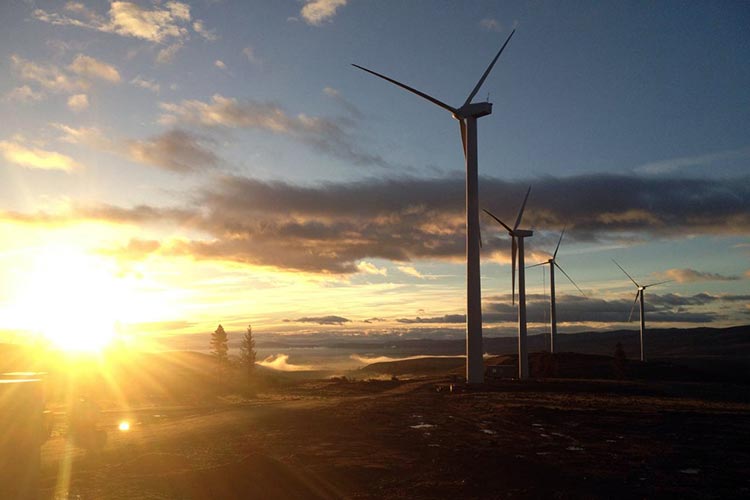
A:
517,236
639,295
467,116
552,306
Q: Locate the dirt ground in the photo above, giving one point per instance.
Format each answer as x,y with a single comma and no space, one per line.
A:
419,439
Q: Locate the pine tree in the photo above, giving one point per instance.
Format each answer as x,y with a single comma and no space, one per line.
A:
219,347
247,351
619,362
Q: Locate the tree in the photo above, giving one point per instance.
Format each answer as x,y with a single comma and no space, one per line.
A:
219,346
247,351
619,362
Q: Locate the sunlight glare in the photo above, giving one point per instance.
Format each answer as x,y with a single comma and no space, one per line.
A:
72,299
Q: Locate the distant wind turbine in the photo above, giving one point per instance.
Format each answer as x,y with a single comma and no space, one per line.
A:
517,236
552,306
467,116
639,295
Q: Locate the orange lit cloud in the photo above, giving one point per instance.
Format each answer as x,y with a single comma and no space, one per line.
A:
36,158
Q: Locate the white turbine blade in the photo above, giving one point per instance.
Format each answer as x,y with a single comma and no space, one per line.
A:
658,283
554,255
632,308
410,89
626,273
498,220
462,124
569,278
523,206
487,71
514,251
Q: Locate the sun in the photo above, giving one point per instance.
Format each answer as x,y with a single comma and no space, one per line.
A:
73,299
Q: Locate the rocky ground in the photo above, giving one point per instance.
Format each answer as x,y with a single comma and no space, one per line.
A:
420,439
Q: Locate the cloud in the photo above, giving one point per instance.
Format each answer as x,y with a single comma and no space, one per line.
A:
167,54
448,318
46,75
348,106
143,83
24,93
691,276
281,362
34,158
674,164
370,268
252,57
576,309
166,23
321,320
490,24
411,271
322,134
88,67
78,102
200,28
76,77
316,12
175,150
128,19
330,228
220,64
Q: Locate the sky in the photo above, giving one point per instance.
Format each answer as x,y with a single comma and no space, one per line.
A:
168,166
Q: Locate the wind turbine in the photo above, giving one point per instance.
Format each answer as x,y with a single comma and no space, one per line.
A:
517,236
639,295
467,116
552,307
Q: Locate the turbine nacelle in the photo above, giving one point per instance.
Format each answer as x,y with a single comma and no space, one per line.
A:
522,233
475,110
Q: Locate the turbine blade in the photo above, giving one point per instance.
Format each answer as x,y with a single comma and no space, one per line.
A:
537,265
558,244
487,71
410,89
632,308
523,206
514,251
659,283
479,233
462,124
498,220
626,273
569,278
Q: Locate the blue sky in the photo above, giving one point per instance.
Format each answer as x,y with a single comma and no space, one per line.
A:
203,151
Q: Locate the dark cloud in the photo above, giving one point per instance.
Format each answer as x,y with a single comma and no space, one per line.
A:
175,150
322,134
577,309
448,318
330,228
321,320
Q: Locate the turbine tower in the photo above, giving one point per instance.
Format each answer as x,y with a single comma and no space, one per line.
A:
467,116
517,236
639,296
552,306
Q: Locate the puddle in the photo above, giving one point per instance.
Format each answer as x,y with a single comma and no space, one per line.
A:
574,448
422,426
488,431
